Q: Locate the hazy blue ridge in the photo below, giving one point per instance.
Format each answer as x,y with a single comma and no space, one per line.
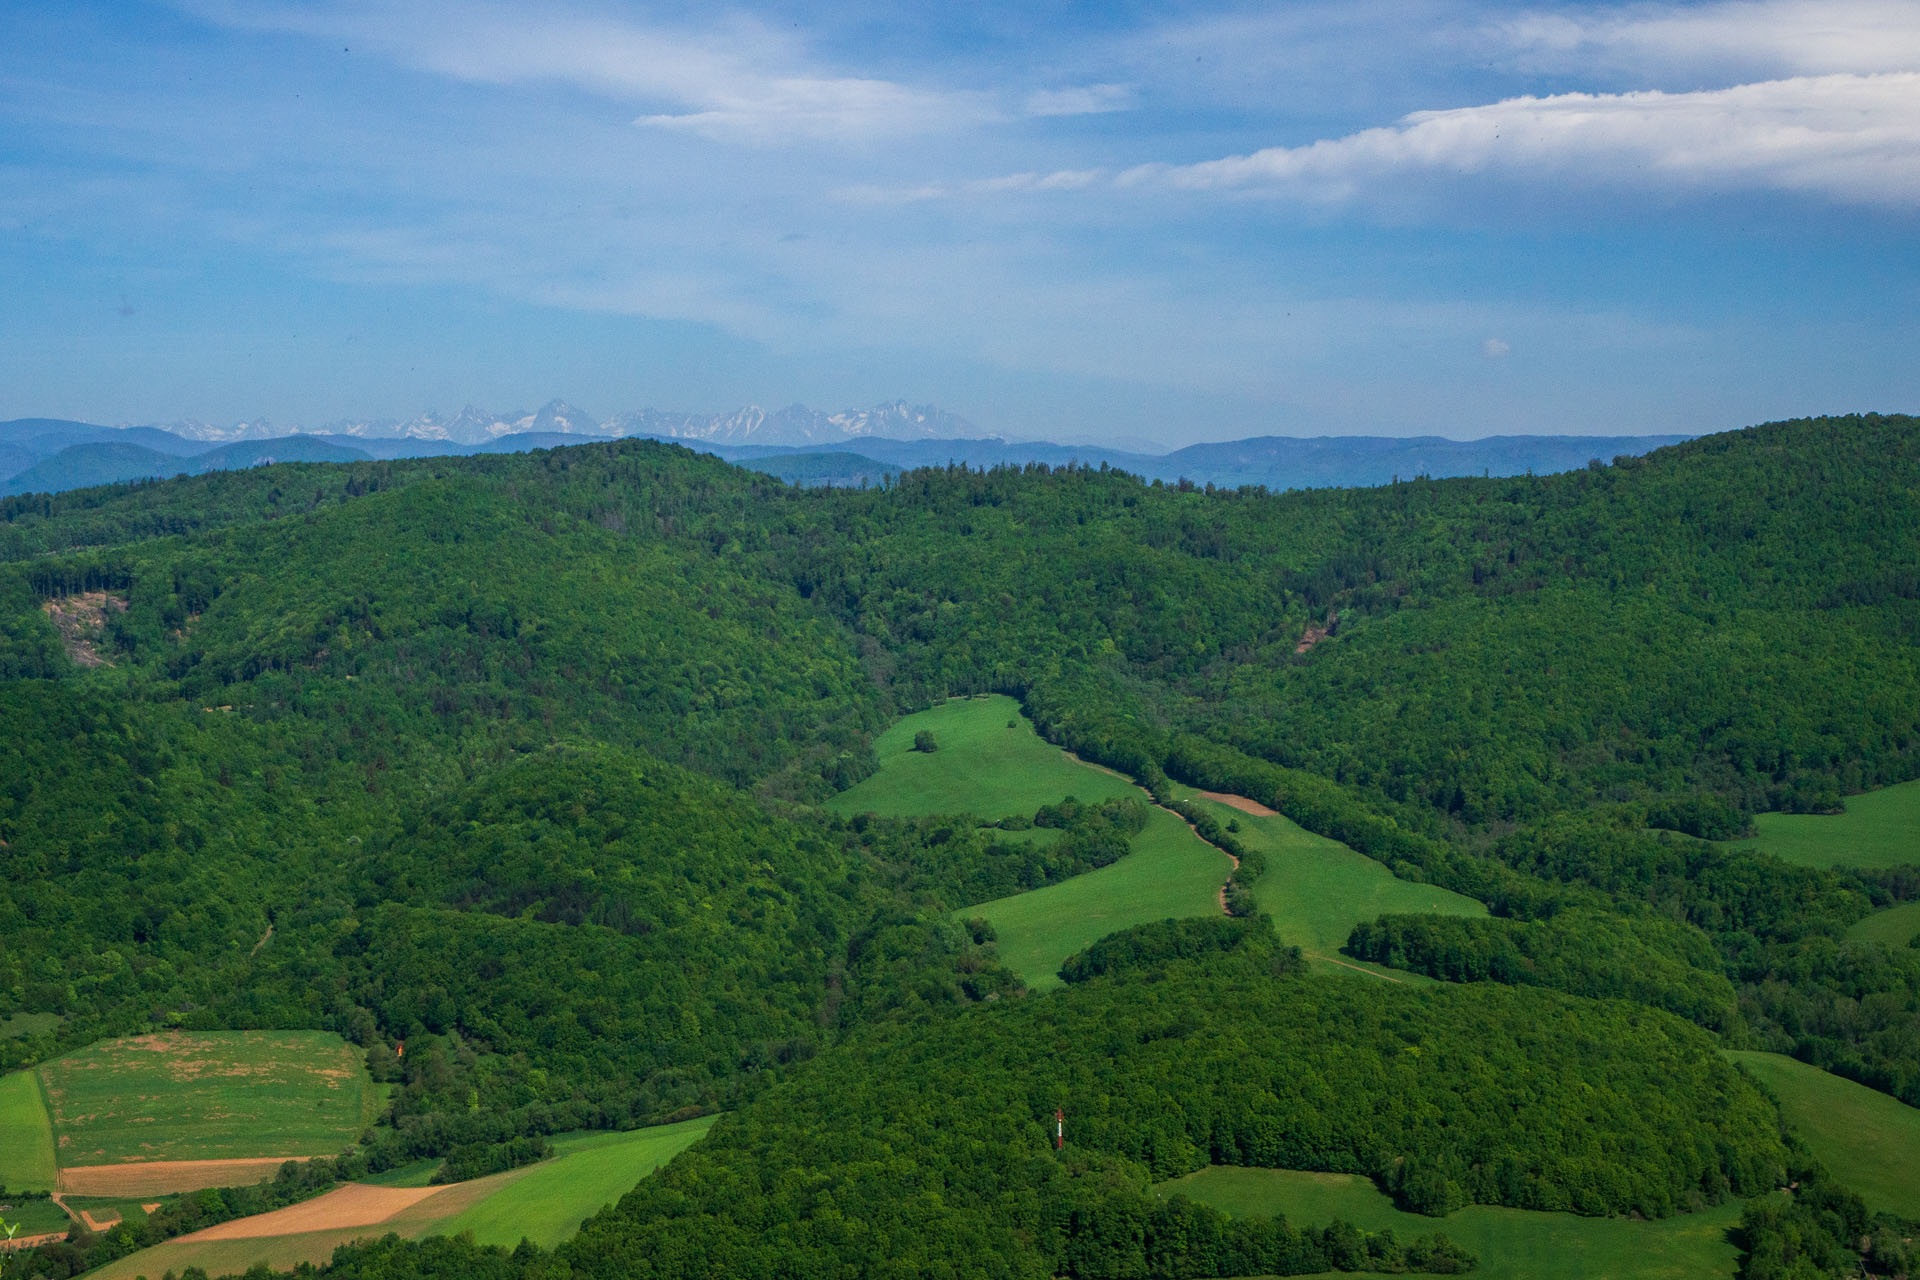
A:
84,465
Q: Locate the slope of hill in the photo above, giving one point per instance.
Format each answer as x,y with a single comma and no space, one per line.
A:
518,759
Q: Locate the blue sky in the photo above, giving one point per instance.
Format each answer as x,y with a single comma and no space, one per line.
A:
1156,222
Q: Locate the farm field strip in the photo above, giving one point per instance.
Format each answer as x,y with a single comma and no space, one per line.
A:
26,1135
1317,889
545,1202
1868,1140
1512,1244
1879,829
206,1096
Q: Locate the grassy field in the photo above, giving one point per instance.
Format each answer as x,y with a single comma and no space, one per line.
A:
1512,1244
1879,829
26,1135
1869,1141
987,769
982,767
1170,872
1317,889
544,1203
1896,926
208,1095
548,1202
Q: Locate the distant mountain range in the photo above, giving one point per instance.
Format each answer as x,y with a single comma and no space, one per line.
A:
793,425
800,445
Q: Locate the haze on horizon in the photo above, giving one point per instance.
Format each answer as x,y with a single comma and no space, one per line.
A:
1169,222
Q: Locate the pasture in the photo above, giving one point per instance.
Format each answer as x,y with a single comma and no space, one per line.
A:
1896,926
1169,872
1512,1244
981,767
545,1203
34,1217
1869,1141
26,1135
1317,889
207,1095
1879,829
15,1025
988,770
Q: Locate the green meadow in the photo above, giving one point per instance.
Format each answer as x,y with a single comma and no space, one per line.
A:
982,767
991,764
1317,889
1512,1244
34,1217
1896,926
1869,1141
1879,829
208,1095
544,1203
27,1024
26,1135
1170,872
547,1202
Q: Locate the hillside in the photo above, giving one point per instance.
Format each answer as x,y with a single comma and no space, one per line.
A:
523,762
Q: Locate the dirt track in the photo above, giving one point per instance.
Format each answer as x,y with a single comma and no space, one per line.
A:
160,1177
354,1205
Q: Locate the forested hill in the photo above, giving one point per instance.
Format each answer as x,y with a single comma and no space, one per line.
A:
519,757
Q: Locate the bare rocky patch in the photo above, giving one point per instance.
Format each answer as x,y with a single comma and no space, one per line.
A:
80,619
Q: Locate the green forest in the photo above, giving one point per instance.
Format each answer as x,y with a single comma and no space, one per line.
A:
551,782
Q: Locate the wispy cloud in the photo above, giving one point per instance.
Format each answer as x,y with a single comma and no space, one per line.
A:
1749,38
737,80
1847,138
1086,100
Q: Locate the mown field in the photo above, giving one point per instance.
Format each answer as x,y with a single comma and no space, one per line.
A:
1512,1244
1869,1141
33,1217
26,1135
208,1095
1879,829
990,763
1170,872
989,770
1317,889
1896,926
544,1203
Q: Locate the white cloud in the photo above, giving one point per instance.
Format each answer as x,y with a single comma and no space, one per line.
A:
1494,348
736,80
1750,38
1086,100
1848,138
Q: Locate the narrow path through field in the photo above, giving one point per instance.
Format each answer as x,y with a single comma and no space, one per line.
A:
1239,802
33,1242
1372,973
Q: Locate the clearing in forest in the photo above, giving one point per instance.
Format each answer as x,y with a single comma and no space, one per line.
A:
1896,926
1511,1244
1866,1139
545,1203
1168,873
1317,889
206,1096
1879,829
26,1135
979,766
988,762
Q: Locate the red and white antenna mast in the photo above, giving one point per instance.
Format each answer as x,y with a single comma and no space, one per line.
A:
1059,1128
